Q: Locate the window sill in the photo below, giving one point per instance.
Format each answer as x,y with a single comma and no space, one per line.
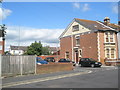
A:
77,45
109,43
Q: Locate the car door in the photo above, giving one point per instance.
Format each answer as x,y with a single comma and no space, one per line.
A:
87,62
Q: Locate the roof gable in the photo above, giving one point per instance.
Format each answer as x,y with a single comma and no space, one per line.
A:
85,26
68,31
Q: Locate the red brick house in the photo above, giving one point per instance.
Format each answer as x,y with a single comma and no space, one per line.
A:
90,39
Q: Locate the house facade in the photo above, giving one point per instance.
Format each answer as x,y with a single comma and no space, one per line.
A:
90,39
53,50
18,50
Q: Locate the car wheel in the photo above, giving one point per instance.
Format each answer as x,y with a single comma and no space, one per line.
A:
92,65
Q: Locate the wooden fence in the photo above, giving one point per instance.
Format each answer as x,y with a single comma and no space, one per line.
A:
18,65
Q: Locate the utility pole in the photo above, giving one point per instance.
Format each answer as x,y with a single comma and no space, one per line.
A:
3,34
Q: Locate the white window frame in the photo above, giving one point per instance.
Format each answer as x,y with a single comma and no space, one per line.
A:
77,37
110,53
109,37
73,29
80,50
66,54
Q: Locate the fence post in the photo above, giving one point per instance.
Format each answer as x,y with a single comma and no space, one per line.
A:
21,66
0,71
35,65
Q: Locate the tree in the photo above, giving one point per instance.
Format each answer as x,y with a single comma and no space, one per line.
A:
45,51
35,49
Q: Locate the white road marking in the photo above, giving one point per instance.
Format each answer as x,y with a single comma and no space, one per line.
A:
43,79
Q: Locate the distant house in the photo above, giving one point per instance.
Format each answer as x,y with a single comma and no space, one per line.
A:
2,43
90,39
18,50
54,50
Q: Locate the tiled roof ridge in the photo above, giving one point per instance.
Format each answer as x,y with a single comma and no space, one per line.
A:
84,19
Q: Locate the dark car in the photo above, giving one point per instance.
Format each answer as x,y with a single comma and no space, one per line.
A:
50,59
89,62
39,60
64,60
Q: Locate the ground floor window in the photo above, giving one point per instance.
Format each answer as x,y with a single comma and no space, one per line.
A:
67,55
80,52
110,53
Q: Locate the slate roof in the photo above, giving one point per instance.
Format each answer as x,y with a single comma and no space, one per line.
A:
93,25
24,48
54,49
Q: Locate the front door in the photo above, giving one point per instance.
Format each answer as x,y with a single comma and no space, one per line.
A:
76,56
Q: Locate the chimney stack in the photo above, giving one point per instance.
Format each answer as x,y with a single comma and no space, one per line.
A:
106,20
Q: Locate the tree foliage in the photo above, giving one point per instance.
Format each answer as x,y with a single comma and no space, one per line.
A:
45,51
36,48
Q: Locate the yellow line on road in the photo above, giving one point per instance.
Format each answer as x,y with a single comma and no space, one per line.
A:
43,79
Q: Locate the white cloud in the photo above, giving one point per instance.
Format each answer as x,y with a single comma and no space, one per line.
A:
4,13
82,7
76,5
115,9
85,7
29,35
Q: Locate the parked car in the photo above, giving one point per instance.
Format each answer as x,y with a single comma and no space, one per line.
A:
39,61
49,59
89,62
64,60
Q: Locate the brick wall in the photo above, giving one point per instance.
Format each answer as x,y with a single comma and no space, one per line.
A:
88,43
102,52
56,57
54,67
66,46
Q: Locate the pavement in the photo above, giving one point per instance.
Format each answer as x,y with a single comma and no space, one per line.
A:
29,79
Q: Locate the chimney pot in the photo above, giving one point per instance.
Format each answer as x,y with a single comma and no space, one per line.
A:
106,20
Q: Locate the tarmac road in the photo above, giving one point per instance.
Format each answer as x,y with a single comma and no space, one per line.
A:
81,77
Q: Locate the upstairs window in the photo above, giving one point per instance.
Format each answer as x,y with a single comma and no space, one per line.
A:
75,28
109,37
77,40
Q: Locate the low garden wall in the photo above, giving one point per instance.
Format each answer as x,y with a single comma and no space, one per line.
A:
54,67
112,63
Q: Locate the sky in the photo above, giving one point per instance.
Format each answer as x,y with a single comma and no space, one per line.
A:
45,21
